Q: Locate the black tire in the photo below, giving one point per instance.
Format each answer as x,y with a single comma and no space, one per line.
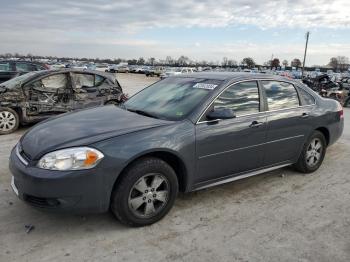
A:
9,120
307,156
125,187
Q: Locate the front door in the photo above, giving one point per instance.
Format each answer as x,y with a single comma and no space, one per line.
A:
232,146
48,95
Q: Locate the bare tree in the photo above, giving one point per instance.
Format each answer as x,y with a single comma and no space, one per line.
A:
224,62
183,61
275,63
285,63
232,62
169,60
248,61
141,61
151,60
343,62
296,63
333,62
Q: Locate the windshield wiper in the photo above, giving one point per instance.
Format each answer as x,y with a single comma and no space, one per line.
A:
144,113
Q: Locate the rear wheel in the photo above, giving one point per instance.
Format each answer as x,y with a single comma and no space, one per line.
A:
9,121
145,193
312,154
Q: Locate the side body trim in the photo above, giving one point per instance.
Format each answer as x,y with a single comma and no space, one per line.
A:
231,179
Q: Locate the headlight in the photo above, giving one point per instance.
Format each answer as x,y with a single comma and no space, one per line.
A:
71,159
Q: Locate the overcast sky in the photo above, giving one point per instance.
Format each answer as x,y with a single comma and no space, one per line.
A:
202,30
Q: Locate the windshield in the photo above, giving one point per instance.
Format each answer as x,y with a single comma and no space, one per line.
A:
17,80
172,98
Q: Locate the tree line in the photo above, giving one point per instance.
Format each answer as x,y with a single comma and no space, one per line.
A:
340,63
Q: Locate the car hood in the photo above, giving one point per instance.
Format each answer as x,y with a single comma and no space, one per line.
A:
83,128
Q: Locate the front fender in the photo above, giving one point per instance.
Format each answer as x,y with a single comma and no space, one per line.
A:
177,139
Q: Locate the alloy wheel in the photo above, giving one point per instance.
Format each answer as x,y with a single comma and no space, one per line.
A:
314,152
7,121
149,195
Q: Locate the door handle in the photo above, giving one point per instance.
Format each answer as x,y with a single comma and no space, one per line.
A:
256,124
305,115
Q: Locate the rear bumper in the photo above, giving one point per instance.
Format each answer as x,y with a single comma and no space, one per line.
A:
62,191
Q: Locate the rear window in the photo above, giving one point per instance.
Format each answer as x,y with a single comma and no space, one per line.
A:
306,98
280,95
87,80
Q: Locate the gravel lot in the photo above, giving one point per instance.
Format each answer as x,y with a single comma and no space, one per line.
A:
277,216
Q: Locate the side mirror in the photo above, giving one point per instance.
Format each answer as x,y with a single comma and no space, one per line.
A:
221,113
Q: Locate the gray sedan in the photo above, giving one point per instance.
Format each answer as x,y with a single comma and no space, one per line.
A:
183,133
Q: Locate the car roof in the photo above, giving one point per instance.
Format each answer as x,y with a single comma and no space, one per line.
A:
228,76
76,70
22,61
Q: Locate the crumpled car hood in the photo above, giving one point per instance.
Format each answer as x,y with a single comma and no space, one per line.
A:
83,128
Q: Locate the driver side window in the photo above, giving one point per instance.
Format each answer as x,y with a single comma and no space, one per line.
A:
52,82
242,98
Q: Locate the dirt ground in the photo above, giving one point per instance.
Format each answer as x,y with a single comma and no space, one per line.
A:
277,216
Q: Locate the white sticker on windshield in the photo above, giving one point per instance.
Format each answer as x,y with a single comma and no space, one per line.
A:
205,86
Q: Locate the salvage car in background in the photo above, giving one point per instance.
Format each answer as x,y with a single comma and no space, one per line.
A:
175,72
183,133
12,68
38,95
156,71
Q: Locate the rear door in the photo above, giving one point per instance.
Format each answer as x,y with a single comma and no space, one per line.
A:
86,90
288,122
229,147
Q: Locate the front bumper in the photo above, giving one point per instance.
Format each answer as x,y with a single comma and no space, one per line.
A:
83,191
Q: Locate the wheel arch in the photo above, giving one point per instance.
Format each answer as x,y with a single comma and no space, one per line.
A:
170,157
325,132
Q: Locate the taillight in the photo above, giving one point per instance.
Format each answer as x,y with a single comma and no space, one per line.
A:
341,113
124,98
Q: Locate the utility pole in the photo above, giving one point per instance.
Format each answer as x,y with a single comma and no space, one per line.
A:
271,61
307,41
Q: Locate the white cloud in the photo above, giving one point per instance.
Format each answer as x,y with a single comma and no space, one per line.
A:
106,28
121,14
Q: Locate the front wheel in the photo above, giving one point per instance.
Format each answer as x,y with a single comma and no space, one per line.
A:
312,154
145,193
9,121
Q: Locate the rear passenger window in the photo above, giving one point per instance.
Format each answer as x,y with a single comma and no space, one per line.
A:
242,98
280,95
306,98
83,80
